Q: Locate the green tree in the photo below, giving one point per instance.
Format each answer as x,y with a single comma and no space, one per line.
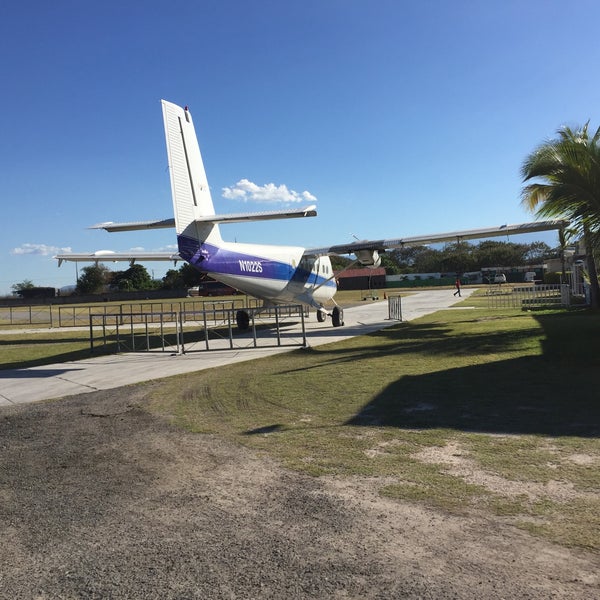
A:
26,284
406,257
134,278
173,280
538,252
93,279
389,264
491,253
191,276
568,172
457,257
184,277
429,260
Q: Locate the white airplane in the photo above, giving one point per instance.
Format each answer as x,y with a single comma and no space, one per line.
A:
274,274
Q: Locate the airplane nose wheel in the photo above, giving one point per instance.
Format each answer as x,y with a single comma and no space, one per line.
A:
321,316
337,316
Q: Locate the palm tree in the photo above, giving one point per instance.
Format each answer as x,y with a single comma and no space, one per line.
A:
568,170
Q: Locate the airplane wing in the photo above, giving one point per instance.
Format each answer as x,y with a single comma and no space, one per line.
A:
309,211
366,248
109,256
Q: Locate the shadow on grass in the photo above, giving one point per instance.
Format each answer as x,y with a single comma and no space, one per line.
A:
263,430
15,341
429,339
555,393
62,357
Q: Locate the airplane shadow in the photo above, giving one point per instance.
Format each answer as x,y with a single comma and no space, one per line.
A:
553,394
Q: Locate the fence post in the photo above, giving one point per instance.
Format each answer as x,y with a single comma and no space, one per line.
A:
147,336
303,328
565,296
254,330
91,336
206,328
180,333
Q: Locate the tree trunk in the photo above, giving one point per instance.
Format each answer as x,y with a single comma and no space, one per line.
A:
593,272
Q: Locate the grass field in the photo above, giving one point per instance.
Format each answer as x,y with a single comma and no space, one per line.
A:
464,410
492,411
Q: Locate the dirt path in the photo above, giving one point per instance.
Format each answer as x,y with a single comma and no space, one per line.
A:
99,499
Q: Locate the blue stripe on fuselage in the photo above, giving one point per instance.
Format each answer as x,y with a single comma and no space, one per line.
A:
215,259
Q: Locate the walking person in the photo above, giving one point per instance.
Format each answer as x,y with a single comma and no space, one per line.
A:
457,285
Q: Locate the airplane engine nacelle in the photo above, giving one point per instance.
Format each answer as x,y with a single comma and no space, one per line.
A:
368,258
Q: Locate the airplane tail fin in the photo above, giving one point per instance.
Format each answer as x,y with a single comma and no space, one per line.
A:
189,186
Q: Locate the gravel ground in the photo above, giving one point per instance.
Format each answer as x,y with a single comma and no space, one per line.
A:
100,499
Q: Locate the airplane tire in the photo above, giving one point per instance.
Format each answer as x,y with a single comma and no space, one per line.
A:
242,318
321,316
337,316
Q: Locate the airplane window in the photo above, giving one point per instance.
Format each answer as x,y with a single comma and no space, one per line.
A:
307,263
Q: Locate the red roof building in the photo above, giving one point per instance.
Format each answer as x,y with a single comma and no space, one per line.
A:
361,279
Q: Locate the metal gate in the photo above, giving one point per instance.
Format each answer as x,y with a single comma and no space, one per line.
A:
196,330
528,296
395,307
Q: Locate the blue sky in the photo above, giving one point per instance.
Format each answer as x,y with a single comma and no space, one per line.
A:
401,118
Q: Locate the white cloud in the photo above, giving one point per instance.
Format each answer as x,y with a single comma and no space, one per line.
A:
38,249
247,191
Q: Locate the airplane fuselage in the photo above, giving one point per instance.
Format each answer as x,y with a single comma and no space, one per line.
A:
276,274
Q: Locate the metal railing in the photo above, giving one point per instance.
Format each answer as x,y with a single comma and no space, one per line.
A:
26,315
77,316
196,330
528,295
394,307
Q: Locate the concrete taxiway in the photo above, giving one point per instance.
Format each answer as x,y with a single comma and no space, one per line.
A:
20,386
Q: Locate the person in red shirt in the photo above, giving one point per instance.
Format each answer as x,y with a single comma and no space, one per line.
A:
457,284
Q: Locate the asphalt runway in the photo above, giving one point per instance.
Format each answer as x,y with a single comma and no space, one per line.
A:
21,386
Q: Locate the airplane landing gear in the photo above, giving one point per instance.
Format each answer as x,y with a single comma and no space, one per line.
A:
242,318
337,316
321,316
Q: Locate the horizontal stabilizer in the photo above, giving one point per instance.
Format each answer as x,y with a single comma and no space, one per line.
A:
309,211
134,225
455,236
109,256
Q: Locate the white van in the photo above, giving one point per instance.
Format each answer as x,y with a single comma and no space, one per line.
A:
530,277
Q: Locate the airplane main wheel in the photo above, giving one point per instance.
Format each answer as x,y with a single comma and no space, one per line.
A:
242,318
337,316
321,316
